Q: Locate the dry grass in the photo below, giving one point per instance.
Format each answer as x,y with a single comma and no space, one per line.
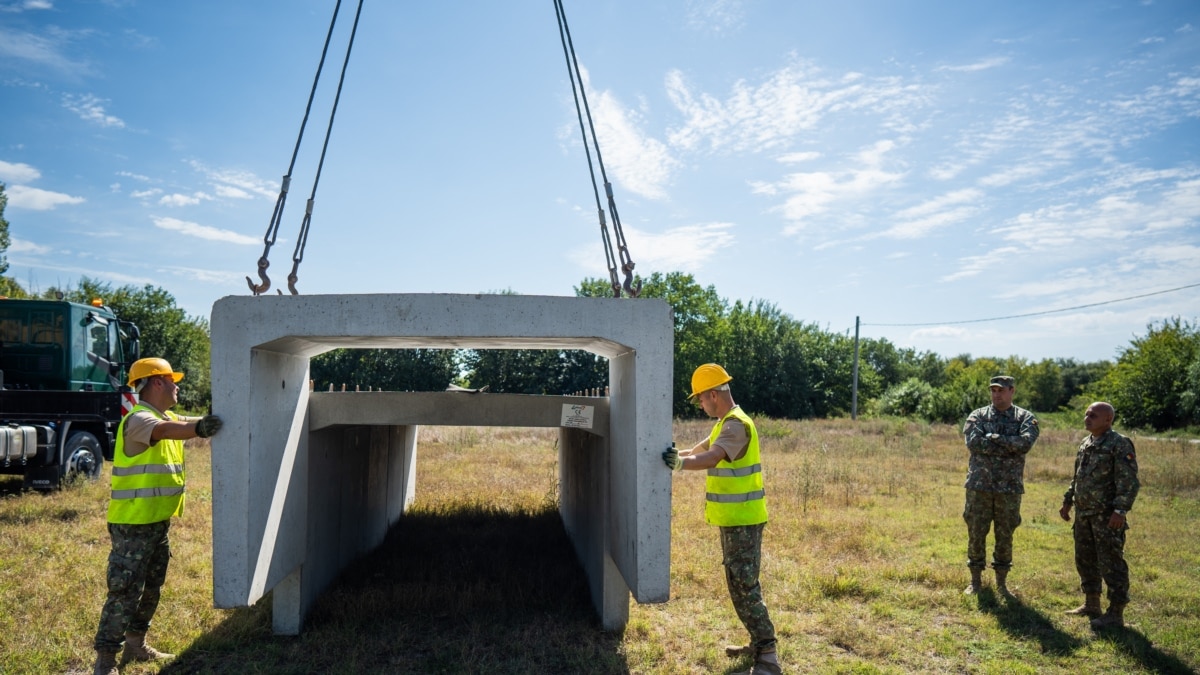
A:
864,563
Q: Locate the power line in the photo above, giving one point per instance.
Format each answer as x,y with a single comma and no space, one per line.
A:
1049,311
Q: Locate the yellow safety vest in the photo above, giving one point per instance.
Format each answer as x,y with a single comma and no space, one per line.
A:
148,487
735,494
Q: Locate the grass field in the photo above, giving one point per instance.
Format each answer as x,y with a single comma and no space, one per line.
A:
863,572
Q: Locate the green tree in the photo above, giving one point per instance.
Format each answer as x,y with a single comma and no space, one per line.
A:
1077,377
385,369
701,327
5,242
1149,381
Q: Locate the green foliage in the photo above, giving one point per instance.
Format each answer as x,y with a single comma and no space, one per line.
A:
9,288
385,369
906,398
1151,385
167,331
4,239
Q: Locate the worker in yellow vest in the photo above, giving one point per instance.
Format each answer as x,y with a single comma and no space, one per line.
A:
735,502
147,490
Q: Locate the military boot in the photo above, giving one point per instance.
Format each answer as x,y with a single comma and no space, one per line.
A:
1115,617
1002,581
136,649
765,663
736,651
976,582
106,664
1090,607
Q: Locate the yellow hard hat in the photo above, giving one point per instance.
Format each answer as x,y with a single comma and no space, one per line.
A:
706,377
143,368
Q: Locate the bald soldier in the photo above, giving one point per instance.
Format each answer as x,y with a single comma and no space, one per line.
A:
1103,489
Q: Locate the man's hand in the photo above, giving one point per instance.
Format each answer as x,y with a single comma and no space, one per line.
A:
672,459
992,437
1116,521
1065,511
208,425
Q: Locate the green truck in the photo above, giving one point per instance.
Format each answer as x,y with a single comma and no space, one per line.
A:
62,388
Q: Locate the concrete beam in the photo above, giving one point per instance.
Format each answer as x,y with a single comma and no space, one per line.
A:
274,458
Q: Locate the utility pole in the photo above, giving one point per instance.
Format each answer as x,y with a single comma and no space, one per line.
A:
854,390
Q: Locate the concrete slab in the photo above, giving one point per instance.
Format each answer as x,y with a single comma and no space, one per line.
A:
303,485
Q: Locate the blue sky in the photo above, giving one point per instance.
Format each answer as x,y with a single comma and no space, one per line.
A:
906,162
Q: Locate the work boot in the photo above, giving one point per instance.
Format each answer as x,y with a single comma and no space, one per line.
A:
136,649
1002,581
1114,617
736,651
976,582
1090,607
106,664
766,663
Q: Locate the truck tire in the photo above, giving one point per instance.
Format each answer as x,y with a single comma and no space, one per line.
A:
82,457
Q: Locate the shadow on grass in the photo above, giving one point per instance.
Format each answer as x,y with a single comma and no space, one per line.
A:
1133,644
1026,623
472,590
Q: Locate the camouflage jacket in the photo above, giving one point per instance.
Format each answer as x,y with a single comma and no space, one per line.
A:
1105,475
998,464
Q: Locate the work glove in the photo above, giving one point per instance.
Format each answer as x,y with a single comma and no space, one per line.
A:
672,459
208,425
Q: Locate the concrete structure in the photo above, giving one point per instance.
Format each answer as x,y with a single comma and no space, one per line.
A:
304,483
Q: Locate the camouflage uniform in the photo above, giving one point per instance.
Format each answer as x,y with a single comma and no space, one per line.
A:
137,569
1105,480
741,550
995,480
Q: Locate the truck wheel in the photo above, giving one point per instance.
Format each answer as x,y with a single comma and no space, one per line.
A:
83,457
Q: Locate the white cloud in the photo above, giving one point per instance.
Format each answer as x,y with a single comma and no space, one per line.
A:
686,248
18,173
39,50
90,108
812,193
641,164
715,16
797,157
145,194
177,199
135,176
986,64
203,231
230,192
973,265
790,101
34,199
26,246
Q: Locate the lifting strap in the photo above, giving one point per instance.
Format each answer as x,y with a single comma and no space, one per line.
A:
578,92
277,214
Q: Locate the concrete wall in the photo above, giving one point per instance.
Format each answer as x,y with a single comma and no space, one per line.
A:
301,488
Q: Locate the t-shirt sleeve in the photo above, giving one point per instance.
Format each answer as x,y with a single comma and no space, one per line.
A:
733,440
138,428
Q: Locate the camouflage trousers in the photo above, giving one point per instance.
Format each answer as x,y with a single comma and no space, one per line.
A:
137,568
1100,554
983,510
741,551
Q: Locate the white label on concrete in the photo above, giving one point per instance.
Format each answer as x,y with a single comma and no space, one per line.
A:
578,416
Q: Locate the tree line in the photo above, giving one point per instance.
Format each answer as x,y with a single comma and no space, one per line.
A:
784,367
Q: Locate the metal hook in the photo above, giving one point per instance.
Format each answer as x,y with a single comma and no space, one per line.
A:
292,279
259,289
628,285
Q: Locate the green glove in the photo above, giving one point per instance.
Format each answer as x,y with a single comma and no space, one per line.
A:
208,425
672,459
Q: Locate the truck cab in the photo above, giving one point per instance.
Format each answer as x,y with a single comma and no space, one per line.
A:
62,387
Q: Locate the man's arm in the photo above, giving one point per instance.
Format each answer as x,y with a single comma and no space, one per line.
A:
1026,436
1125,476
1069,495
974,435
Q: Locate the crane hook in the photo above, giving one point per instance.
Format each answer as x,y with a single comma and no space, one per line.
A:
259,289
628,285
292,279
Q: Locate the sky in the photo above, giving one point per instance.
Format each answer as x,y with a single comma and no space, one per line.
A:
928,163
